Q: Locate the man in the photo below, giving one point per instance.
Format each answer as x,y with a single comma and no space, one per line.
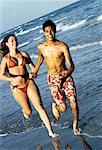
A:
60,81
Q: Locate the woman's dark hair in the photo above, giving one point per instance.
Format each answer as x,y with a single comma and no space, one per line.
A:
49,23
4,47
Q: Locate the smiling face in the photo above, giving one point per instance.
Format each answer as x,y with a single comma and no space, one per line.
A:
11,43
49,33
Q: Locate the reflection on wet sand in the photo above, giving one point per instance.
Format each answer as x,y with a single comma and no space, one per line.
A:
57,145
85,144
39,147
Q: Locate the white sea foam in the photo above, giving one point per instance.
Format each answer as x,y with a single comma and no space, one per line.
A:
75,25
19,27
4,134
38,38
41,18
40,31
86,45
99,18
23,44
61,19
91,136
22,32
59,26
29,130
27,31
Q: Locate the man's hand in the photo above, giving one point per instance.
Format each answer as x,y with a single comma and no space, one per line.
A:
64,73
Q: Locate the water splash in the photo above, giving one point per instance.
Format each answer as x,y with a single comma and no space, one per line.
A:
91,136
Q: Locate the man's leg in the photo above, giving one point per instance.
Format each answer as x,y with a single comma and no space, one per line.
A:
56,109
70,92
75,112
59,105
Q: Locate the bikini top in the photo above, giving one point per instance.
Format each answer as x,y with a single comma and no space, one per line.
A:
14,62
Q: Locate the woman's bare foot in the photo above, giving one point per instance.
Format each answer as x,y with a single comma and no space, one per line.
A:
76,130
25,115
55,111
53,135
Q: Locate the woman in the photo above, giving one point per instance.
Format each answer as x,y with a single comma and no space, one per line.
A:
21,83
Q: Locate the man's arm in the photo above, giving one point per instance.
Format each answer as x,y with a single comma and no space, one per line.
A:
39,60
68,59
34,69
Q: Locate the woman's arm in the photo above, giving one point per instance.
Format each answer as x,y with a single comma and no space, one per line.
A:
30,64
39,60
3,75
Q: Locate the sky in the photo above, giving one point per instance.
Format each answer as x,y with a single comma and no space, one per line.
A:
17,12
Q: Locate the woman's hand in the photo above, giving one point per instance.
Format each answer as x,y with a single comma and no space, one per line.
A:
32,75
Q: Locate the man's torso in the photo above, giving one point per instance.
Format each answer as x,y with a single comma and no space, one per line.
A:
54,57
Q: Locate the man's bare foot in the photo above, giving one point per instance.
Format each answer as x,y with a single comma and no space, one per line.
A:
55,111
25,115
76,130
53,135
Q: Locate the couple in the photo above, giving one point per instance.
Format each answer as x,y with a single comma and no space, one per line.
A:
60,81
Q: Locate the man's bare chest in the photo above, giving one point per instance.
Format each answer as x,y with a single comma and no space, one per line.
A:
51,53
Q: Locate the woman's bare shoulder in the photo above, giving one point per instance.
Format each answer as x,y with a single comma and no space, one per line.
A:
25,54
6,57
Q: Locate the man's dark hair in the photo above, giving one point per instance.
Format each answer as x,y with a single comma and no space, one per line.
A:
49,23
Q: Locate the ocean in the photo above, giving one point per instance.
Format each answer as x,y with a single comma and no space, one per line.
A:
80,26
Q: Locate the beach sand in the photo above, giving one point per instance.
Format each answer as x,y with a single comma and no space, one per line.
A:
39,139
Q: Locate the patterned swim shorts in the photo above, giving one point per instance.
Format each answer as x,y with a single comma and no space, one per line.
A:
61,87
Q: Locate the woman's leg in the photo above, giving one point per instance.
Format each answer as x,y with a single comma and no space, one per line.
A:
34,96
22,100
